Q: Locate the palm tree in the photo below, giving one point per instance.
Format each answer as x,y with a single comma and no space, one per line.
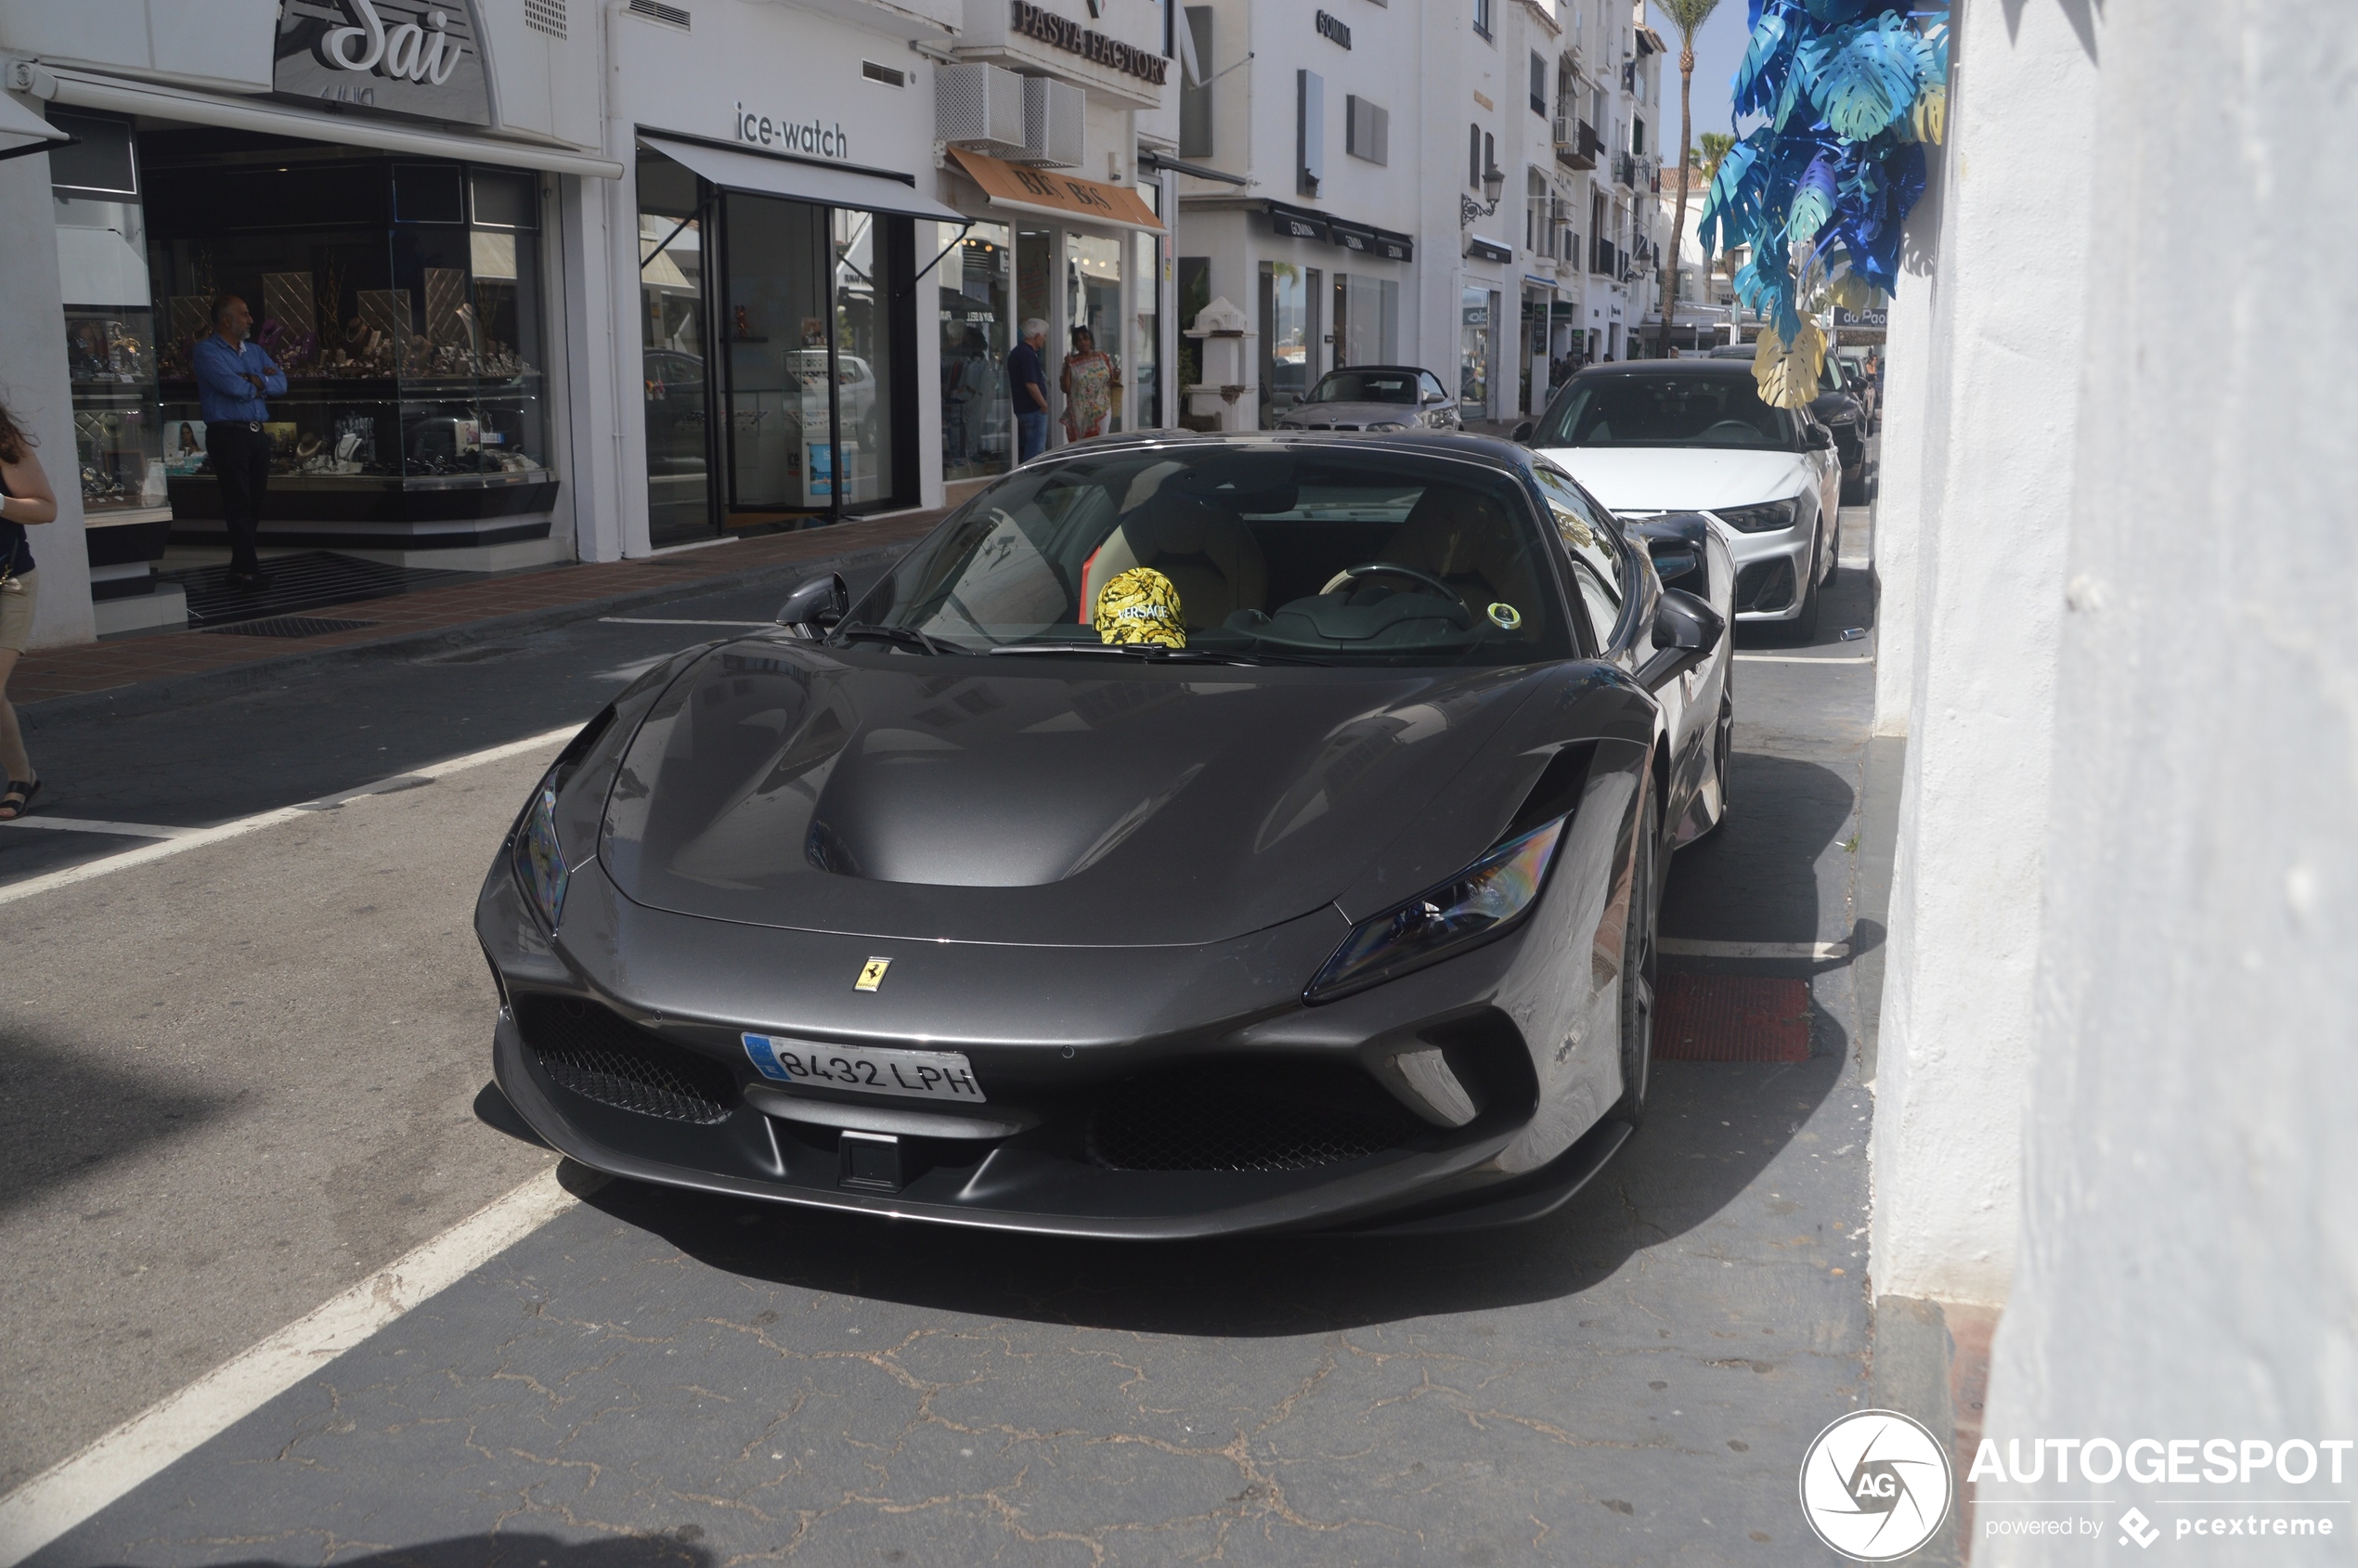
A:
1686,16
1711,147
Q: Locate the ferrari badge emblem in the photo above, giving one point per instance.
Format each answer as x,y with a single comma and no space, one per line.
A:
872,974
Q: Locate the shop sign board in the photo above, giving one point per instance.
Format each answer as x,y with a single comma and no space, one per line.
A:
1334,28
401,56
1035,191
812,137
1028,20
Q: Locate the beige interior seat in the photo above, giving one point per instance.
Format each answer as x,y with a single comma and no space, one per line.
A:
1461,536
1205,549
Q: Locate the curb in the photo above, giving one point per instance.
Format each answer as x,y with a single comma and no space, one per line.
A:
155,696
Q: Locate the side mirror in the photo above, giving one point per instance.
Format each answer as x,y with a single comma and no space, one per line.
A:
815,605
1820,437
1522,433
1436,397
1685,629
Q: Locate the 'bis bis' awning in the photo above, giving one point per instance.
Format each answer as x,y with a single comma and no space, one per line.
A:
1057,195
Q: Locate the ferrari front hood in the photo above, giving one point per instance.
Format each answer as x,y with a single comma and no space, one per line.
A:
1063,800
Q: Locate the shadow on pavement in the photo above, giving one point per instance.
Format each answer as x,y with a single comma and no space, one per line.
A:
68,1116
1757,878
501,1548
1711,1129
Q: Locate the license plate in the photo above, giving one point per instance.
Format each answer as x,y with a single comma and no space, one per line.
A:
924,1075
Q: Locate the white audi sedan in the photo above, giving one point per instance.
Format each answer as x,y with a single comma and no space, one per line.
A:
1663,435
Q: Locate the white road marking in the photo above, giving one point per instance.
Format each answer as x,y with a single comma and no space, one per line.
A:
122,830
73,1489
196,838
638,620
1805,658
1682,947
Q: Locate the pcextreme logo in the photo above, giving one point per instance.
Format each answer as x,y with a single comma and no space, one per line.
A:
1875,1485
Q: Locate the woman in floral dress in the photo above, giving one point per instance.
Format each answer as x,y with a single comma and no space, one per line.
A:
1090,380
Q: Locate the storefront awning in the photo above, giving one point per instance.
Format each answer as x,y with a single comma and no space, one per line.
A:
1057,195
85,91
1479,249
764,175
17,123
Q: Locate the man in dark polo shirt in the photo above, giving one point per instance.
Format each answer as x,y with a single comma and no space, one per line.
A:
1028,387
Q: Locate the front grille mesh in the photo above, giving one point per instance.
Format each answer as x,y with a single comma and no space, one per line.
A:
602,1057
1212,1125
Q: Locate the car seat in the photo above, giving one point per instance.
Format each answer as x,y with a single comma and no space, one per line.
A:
1204,548
1463,537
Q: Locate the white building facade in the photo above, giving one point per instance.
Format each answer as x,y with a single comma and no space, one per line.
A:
1464,184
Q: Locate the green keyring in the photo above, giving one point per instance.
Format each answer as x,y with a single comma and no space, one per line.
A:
1506,617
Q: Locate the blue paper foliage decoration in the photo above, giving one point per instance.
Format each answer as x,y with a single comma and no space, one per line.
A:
1852,91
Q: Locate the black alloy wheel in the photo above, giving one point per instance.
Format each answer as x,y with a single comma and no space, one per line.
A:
1639,963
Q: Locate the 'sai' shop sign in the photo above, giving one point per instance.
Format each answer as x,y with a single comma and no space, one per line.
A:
404,56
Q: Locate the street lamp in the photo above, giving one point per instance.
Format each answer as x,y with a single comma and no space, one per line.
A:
1494,182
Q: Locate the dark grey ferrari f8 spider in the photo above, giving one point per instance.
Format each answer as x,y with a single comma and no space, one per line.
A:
1191,836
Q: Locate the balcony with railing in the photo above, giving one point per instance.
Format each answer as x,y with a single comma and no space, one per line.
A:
1577,145
1625,169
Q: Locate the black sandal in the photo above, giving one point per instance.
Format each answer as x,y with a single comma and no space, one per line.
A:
18,800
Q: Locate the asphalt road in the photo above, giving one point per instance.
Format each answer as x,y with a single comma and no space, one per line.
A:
241,1078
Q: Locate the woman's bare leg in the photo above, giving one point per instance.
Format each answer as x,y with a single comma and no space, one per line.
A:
18,766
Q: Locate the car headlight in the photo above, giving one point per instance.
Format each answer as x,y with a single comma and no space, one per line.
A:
1764,518
538,858
1478,903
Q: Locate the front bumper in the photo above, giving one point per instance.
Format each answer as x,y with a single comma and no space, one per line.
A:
1770,568
1107,1078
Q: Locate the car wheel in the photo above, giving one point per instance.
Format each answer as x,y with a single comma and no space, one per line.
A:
1638,963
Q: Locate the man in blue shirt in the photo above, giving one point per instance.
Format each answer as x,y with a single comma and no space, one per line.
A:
1028,388
233,377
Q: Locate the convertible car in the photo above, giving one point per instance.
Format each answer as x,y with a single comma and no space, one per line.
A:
1192,835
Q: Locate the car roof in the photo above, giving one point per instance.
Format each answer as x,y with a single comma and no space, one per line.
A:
1429,443
1668,368
1379,371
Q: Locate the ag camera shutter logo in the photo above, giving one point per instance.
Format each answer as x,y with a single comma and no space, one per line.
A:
1875,1485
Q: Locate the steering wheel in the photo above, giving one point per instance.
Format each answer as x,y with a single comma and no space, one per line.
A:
1373,569
1727,429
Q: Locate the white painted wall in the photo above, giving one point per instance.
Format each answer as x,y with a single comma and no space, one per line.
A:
1901,473
32,381
2003,405
2189,1264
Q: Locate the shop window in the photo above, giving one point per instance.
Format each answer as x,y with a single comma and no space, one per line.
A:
428,193
413,340
1286,355
1144,411
1478,310
1366,320
1096,400
976,301
110,321
672,324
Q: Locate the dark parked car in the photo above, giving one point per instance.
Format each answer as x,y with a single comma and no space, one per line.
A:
1192,834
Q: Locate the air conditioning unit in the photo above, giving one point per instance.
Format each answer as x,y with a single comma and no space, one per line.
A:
1052,123
980,106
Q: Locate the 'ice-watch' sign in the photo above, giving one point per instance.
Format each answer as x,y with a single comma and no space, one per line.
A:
406,57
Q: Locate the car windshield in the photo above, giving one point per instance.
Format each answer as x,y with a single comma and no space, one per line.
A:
1365,386
1251,553
1665,411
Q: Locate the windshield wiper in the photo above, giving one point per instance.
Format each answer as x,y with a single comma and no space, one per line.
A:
1155,653
905,636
